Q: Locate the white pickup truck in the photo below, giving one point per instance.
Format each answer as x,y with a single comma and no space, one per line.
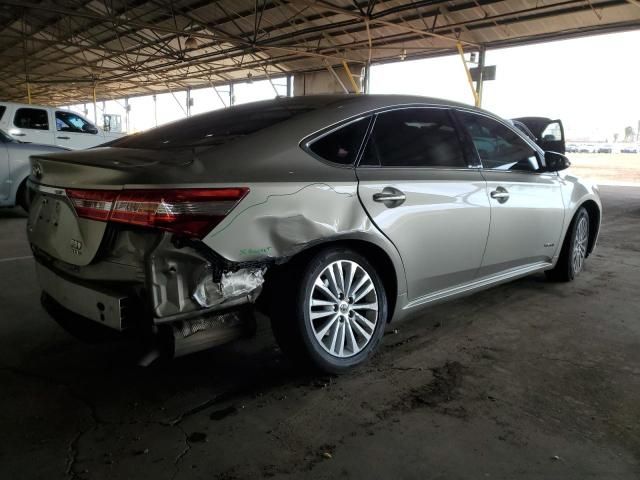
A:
51,126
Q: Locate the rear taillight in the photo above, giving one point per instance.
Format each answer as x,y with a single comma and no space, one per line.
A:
189,211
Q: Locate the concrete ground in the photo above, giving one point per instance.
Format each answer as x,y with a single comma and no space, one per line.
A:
526,380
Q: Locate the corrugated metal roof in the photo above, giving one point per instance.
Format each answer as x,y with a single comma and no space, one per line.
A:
129,47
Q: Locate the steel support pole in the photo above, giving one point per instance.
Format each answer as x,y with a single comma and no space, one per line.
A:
126,114
232,95
480,81
289,86
188,101
95,107
367,78
155,109
466,69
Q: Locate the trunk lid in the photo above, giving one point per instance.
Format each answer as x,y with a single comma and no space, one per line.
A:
53,226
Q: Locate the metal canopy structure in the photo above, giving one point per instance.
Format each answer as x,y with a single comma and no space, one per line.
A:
68,50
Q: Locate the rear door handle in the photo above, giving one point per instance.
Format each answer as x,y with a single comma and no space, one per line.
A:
64,138
19,134
391,197
501,194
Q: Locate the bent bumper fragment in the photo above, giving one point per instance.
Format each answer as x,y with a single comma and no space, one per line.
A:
101,306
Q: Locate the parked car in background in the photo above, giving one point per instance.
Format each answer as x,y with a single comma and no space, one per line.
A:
586,148
333,214
606,148
572,148
630,149
51,126
15,169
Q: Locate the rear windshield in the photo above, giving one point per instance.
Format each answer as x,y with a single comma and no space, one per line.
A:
222,126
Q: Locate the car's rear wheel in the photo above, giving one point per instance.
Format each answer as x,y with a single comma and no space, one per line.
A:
22,196
574,249
332,312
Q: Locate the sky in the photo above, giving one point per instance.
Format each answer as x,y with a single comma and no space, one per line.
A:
592,84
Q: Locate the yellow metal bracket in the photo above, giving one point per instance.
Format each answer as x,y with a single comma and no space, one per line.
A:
476,97
354,84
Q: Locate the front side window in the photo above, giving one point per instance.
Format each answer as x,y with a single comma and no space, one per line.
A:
2,110
499,147
342,145
70,122
414,137
33,118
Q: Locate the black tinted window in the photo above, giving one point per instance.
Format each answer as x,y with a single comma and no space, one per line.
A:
222,126
342,145
31,118
2,109
499,147
414,137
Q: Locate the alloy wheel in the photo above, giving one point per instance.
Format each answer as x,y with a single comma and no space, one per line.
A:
343,308
580,245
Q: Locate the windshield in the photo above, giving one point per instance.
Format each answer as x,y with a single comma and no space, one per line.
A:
222,126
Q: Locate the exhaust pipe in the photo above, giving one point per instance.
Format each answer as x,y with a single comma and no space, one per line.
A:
194,335
190,336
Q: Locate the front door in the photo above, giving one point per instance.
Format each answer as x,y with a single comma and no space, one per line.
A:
527,209
75,132
417,187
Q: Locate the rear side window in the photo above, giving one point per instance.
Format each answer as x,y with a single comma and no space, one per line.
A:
342,145
414,137
2,110
33,118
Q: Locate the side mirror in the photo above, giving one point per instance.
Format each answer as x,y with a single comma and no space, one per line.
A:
554,162
87,128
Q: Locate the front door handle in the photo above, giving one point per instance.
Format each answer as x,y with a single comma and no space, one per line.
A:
391,197
19,134
64,138
501,194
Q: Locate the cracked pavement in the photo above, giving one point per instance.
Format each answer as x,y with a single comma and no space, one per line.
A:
526,380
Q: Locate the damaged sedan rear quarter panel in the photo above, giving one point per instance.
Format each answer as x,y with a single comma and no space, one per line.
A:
294,202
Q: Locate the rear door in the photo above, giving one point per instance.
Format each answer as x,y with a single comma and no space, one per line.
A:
32,125
418,188
527,210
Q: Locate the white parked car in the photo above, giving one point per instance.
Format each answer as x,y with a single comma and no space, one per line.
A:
51,126
15,169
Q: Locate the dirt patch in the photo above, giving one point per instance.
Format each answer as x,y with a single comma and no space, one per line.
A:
442,388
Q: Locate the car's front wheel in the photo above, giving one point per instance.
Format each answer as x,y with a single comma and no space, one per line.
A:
574,250
334,313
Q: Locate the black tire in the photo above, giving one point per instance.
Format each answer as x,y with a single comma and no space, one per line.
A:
565,270
22,197
291,318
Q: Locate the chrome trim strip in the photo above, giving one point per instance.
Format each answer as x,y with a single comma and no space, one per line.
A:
50,190
479,284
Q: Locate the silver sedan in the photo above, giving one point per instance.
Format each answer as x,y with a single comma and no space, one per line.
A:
333,215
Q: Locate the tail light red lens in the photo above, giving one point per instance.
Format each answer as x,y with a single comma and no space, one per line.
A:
189,211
